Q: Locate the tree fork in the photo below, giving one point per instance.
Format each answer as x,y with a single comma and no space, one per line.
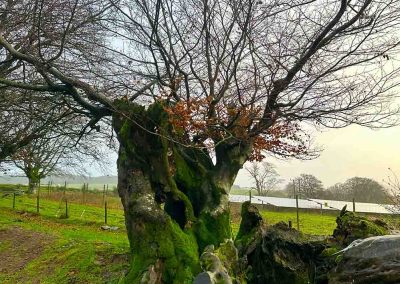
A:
175,200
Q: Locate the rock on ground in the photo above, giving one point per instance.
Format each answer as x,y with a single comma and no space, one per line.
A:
372,260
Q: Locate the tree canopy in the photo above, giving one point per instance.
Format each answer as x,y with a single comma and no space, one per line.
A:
306,186
230,70
361,189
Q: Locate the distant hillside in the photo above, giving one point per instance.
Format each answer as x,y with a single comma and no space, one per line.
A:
61,179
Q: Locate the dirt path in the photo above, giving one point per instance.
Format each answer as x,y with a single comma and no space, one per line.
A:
18,247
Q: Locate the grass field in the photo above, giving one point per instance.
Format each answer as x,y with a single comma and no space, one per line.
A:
313,223
47,248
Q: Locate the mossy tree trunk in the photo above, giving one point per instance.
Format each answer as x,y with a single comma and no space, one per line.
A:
175,199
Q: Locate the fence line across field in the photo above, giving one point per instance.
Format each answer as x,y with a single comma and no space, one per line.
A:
72,203
64,195
309,203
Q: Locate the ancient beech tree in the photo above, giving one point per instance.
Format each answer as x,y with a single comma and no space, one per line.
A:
197,88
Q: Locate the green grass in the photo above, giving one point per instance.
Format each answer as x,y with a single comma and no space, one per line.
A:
310,223
72,256
78,213
12,187
81,252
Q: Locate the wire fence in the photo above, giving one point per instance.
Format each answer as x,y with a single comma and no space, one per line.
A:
67,203
315,204
103,207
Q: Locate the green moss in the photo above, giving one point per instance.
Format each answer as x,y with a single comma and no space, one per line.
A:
210,262
339,258
185,174
329,251
249,226
175,248
351,227
210,229
243,241
228,255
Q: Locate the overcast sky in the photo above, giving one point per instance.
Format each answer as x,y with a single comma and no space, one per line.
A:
348,152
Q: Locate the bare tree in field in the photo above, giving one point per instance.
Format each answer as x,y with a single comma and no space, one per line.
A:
307,186
392,185
55,154
188,81
37,160
264,176
366,190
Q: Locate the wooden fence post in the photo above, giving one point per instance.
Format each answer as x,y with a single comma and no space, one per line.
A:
14,200
297,212
354,205
65,189
105,212
66,209
83,193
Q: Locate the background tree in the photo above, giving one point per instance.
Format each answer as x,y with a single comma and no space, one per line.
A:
393,192
306,185
365,190
339,192
264,176
190,83
37,160
290,190
361,189
57,155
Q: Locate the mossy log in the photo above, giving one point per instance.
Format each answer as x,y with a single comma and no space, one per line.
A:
351,227
276,254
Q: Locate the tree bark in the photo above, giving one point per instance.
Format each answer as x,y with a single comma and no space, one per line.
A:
33,180
175,199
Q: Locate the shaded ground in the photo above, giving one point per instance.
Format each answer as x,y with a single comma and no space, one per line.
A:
18,247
